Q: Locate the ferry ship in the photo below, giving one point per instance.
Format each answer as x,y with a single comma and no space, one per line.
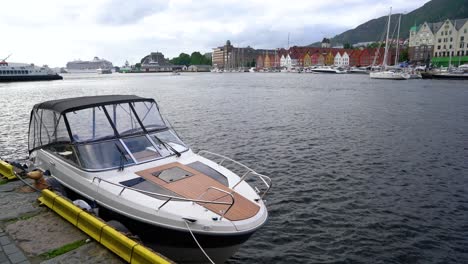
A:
20,72
79,66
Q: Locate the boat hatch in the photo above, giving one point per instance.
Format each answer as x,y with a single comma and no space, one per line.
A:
172,174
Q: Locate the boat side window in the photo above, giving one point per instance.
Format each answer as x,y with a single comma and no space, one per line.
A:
141,148
47,127
103,155
89,124
123,118
65,151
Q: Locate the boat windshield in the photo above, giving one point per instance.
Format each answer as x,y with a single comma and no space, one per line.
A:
103,155
106,136
98,123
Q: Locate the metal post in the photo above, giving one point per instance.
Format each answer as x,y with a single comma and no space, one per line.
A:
94,122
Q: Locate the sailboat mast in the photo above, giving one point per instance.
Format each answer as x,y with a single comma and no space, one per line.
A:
386,40
398,40
450,50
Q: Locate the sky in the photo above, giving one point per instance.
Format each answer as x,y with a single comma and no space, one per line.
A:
54,32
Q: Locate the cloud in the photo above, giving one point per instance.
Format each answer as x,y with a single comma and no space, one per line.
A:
56,31
121,12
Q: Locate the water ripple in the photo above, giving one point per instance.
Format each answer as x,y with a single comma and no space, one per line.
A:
364,171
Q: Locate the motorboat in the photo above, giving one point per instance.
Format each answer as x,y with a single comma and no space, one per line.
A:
445,75
415,75
217,70
328,69
21,72
359,70
117,153
390,75
104,71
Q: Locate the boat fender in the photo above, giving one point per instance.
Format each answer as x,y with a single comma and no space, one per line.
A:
56,186
83,205
118,226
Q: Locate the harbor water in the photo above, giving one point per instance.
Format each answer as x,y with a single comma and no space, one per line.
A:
364,171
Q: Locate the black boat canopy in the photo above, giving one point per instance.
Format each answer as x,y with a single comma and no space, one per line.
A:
92,119
76,103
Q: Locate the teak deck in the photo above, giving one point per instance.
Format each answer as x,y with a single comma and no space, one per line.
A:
194,186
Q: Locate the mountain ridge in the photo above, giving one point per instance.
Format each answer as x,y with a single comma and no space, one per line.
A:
432,11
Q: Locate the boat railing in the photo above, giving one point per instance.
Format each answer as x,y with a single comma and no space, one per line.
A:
176,198
245,174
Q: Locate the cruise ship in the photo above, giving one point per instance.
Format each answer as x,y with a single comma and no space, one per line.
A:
20,72
79,66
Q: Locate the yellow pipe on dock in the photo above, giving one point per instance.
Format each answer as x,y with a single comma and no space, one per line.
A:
6,170
126,248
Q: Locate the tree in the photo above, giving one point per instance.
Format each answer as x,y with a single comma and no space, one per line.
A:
376,45
196,58
138,65
183,59
347,46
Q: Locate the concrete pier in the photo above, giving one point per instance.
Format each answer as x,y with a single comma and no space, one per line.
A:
30,233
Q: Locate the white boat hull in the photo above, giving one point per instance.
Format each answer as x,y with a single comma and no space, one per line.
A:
220,242
388,75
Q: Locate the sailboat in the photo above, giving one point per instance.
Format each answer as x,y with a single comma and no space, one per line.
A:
384,73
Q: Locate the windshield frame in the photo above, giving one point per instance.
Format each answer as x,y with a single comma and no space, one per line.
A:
126,149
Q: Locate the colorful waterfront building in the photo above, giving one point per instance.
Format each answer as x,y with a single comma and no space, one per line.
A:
314,58
321,59
307,60
267,61
354,58
367,57
260,62
330,58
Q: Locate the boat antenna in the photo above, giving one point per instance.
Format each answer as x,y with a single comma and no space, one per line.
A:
7,57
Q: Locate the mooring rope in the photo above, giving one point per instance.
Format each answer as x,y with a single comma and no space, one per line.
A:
24,181
196,241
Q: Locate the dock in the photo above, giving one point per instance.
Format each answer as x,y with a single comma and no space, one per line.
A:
55,231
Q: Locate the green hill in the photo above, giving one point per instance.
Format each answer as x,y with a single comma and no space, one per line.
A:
433,11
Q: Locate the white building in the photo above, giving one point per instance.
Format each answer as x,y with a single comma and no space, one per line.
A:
287,61
337,60
450,38
345,59
283,61
421,41
341,60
